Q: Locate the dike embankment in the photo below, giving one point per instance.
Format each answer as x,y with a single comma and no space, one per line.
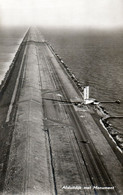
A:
100,115
6,91
46,145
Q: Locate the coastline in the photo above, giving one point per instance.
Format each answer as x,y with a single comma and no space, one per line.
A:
13,59
101,112
6,91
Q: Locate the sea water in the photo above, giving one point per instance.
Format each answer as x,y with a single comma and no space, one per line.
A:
10,39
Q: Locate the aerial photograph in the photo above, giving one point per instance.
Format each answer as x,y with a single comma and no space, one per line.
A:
61,97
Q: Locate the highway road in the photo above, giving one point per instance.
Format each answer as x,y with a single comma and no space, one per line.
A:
94,169
56,147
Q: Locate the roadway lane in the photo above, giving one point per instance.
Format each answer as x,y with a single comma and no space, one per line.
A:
68,166
28,171
6,93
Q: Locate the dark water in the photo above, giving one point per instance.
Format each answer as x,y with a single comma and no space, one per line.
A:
10,39
95,57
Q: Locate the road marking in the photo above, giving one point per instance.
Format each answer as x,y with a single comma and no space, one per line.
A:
82,116
59,95
15,89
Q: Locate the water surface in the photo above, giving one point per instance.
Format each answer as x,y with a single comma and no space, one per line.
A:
10,39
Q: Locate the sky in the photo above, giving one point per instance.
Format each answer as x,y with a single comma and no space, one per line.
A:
67,13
